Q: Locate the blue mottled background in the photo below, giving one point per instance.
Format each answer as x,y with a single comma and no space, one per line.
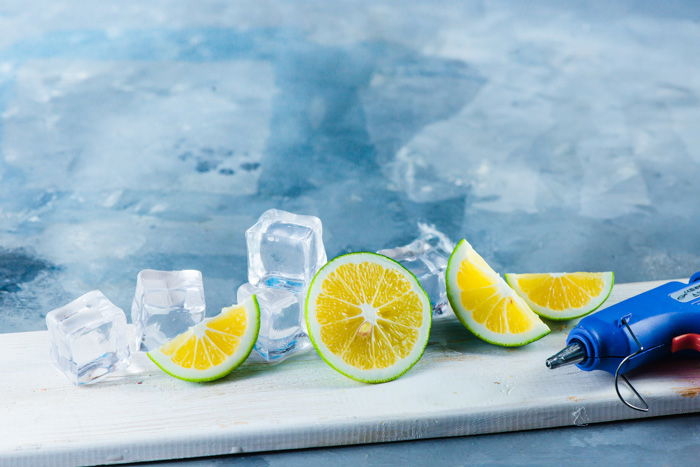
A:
554,136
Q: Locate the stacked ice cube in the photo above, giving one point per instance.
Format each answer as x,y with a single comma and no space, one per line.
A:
284,252
426,257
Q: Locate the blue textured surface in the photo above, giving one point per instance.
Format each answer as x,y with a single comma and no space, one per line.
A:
554,136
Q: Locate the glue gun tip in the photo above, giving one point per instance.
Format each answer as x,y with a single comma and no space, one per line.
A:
573,353
553,362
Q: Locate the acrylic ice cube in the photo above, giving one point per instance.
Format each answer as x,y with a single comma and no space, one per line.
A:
166,303
284,250
88,338
426,257
282,327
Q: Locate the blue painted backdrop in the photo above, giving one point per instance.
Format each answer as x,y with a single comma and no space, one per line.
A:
553,136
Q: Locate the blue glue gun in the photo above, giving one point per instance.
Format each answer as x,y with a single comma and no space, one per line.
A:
637,331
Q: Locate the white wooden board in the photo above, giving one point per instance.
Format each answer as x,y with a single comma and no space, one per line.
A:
461,387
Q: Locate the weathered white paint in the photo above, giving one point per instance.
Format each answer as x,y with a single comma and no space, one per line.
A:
461,387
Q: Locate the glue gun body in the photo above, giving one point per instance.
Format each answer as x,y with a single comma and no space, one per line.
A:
644,328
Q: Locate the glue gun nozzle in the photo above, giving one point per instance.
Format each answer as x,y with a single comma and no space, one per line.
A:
572,353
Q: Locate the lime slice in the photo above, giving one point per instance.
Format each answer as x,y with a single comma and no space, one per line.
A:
213,348
561,296
368,317
485,304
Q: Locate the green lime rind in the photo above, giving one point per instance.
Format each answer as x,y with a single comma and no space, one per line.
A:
230,365
315,339
455,303
559,316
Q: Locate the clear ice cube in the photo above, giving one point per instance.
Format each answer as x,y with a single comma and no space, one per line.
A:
89,338
282,326
284,250
166,303
427,258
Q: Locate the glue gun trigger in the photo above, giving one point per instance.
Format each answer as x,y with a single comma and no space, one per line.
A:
686,342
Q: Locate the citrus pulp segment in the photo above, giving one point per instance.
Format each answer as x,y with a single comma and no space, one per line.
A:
561,296
485,304
368,317
213,348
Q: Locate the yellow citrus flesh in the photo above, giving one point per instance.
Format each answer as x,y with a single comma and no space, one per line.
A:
355,338
563,295
486,305
212,348
219,339
482,293
369,314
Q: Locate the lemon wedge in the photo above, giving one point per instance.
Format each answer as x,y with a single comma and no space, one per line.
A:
485,304
561,296
213,348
